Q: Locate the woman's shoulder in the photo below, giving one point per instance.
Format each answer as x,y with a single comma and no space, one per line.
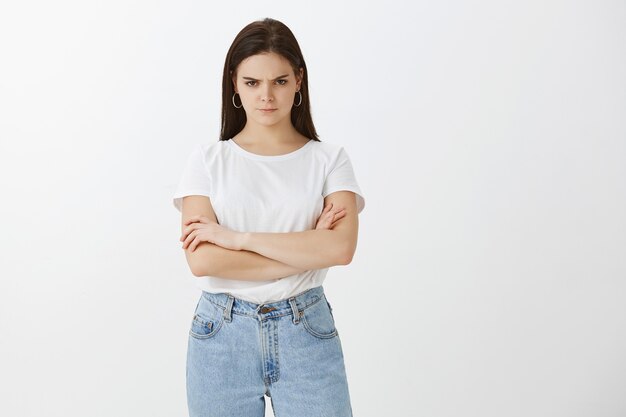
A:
211,147
327,148
331,153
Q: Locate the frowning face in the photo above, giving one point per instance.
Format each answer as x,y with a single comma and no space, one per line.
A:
267,88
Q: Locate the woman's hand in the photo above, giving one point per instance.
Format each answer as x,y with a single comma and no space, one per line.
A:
329,216
201,229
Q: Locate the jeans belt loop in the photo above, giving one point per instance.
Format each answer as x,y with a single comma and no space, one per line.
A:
228,315
294,309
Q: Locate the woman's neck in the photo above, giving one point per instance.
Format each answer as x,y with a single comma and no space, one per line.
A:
269,137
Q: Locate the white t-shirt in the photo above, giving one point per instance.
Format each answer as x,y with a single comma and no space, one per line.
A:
256,193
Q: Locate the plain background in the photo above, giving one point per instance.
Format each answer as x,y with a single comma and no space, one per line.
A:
489,139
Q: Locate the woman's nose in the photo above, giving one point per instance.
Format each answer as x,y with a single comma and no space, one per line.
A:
266,94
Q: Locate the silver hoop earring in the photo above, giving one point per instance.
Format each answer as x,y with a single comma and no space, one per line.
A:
300,102
234,102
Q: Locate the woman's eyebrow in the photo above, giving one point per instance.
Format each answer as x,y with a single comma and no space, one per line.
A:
254,79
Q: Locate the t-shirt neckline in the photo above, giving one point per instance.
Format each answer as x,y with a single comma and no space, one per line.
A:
257,156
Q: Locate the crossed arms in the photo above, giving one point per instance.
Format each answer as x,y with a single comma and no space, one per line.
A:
275,255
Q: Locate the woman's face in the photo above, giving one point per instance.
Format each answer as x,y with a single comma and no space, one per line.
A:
266,81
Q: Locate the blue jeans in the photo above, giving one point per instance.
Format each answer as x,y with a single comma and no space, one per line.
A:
289,350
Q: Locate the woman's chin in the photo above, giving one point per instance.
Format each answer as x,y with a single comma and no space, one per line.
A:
267,121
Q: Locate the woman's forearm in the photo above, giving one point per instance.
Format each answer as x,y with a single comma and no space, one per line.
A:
310,249
212,260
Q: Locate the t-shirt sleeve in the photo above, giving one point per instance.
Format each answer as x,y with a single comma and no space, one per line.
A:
341,177
195,179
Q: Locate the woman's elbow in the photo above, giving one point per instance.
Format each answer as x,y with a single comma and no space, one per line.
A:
199,261
197,269
347,254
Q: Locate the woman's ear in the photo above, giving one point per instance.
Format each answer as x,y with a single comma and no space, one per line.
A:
233,78
300,78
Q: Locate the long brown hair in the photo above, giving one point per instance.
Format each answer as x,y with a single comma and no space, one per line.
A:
262,36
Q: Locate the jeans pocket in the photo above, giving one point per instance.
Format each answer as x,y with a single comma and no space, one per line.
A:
318,319
207,319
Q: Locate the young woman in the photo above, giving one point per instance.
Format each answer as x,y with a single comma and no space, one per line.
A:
266,210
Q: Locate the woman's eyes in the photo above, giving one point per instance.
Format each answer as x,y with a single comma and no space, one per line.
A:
279,81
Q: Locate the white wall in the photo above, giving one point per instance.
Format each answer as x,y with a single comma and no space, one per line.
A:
488,137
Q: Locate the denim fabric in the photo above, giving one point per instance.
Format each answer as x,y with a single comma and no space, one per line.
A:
289,350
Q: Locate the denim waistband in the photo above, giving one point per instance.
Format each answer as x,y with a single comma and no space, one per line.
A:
292,305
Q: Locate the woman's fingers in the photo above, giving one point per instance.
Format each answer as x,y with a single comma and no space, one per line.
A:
188,239
189,229
326,209
323,220
197,218
327,220
329,216
194,244
338,215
